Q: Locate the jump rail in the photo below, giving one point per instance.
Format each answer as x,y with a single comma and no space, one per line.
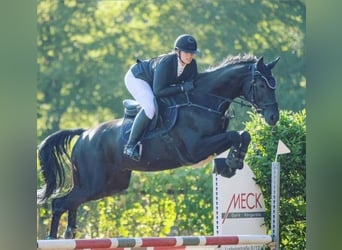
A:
160,242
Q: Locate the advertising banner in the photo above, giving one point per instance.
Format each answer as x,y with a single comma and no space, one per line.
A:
239,207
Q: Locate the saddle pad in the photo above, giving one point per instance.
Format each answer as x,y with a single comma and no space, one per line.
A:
165,122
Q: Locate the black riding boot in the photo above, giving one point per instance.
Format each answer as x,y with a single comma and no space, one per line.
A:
140,123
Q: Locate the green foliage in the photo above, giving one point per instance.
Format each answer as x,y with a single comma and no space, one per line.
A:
291,129
84,48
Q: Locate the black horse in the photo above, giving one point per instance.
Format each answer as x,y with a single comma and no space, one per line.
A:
190,128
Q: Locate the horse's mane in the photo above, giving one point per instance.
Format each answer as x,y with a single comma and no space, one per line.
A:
230,60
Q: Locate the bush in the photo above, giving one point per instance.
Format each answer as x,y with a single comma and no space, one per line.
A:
291,129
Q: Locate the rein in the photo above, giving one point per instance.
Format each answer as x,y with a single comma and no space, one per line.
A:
252,91
189,103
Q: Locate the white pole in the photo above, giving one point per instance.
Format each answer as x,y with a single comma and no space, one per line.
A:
275,203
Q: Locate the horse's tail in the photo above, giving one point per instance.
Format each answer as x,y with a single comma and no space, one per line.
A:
51,154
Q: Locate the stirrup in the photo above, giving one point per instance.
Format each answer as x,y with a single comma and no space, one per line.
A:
133,152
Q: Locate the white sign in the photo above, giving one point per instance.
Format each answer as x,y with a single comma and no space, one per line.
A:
239,206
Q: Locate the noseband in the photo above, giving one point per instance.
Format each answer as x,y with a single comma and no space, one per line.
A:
253,90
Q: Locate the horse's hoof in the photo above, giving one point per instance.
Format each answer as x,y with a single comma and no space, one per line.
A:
222,169
219,165
228,172
235,163
235,159
51,238
70,233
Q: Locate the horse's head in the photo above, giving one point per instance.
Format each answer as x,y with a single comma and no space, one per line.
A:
259,90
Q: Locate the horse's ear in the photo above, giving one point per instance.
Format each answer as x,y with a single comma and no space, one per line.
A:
260,62
273,63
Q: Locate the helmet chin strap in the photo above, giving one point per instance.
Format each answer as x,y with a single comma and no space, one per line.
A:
179,51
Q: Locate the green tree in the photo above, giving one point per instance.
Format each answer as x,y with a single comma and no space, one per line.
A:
291,129
85,48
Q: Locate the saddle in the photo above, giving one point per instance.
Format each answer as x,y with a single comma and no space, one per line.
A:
163,121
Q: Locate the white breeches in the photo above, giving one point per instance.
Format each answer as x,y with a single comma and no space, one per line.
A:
142,93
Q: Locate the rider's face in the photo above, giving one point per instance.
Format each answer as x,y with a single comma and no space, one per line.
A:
186,57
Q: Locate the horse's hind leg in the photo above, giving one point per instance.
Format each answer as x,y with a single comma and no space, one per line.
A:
70,202
57,211
70,232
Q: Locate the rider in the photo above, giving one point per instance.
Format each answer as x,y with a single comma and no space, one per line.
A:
164,75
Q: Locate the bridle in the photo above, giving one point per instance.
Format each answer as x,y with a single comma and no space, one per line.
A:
270,81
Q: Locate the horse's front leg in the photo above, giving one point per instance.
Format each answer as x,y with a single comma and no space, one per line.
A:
215,144
237,153
238,143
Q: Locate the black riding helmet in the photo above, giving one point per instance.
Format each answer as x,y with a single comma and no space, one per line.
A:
186,43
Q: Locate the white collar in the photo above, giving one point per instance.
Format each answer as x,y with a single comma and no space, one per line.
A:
180,67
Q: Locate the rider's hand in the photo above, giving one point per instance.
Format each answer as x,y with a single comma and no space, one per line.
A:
187,86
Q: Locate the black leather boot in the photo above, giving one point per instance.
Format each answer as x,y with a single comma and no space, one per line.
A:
132,149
